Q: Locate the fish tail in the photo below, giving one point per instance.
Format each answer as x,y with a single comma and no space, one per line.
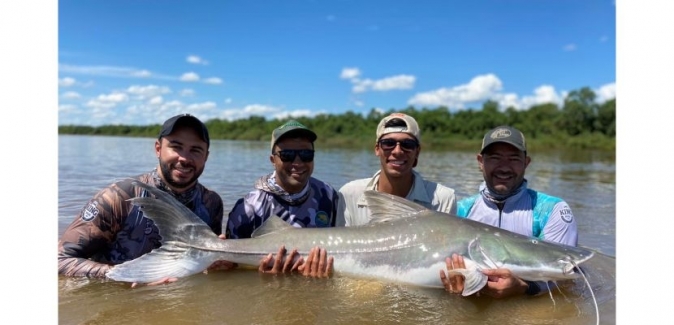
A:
178,227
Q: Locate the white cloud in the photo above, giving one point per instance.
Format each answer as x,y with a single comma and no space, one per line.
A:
187,92
196,60
189,76
156,100
205,106
143,92
391,83
570,47
542,95
257,109
295,114
115,97
350,73
108,71
141,73
67,108
107,101
70,95
398,82
247,111
66,82
606,92
213,81
480,88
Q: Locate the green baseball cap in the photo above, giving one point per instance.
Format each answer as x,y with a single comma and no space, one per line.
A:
294,128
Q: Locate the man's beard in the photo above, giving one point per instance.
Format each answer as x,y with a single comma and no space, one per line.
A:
166,173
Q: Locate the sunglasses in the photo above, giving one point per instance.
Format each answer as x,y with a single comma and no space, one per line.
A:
288,155
390,144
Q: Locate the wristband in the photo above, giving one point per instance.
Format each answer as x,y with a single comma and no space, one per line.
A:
532,288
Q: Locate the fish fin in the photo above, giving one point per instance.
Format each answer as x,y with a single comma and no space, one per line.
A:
474,279
384,207
168,261
173,219
272,224
178,226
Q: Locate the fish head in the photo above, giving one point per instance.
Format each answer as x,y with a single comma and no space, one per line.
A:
528,258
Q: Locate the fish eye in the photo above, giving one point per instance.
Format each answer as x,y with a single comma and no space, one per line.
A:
534,241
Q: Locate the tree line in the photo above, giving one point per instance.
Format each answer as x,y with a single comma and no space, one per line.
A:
581,123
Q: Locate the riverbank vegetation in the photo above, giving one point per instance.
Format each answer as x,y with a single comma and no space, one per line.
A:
580,123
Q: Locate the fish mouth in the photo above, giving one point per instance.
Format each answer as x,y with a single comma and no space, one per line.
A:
572,266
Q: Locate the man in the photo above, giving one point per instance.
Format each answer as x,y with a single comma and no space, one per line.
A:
110,230
289,192
397,145
505,201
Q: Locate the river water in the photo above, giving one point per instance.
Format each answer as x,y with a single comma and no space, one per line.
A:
586,180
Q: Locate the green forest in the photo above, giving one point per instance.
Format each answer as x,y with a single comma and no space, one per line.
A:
581,123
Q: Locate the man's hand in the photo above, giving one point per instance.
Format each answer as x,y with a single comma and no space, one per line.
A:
162,281
453,283
502,283
317,264
221,265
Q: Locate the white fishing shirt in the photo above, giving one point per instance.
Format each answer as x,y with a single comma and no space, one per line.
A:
550,218
353,211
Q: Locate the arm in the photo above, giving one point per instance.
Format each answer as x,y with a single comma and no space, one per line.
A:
341,211
239,224
91,233
561,226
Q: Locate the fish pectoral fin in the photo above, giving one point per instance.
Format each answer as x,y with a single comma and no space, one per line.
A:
474,280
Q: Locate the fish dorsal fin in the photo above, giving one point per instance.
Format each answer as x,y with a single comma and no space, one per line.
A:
273,224
384,207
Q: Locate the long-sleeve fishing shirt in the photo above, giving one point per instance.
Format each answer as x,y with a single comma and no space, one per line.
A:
528,212
110,230
353,210
314,206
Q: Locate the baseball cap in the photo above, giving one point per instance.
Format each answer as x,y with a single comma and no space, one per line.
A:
185,120
505,134
410,126
291,127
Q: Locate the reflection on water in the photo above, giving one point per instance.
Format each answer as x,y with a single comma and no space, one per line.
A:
86,164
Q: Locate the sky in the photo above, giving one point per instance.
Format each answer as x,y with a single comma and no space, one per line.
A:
33,46
141,62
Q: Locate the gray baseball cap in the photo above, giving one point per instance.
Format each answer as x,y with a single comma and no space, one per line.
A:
505,134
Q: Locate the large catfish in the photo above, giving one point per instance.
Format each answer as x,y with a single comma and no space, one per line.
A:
404,242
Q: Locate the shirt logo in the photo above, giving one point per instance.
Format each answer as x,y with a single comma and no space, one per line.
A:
322,219
566,214
90,212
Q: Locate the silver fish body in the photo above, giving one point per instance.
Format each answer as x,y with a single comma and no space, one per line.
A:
404,242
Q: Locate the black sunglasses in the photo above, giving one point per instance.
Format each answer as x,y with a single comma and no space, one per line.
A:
390,144
288,155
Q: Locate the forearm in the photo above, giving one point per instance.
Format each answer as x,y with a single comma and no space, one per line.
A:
77,266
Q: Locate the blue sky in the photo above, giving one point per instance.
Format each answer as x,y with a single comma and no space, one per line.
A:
140,62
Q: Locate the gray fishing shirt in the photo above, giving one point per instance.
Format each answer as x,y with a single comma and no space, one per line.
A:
317,207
